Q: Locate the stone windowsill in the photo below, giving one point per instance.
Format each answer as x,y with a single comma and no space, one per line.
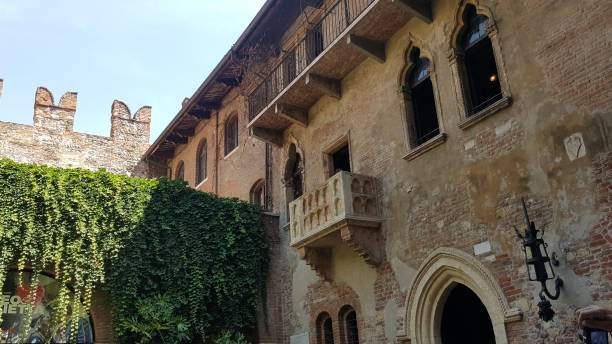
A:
429,145
484,113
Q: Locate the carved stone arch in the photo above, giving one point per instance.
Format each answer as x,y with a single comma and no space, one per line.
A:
459,24
408,64
441,270
456,58
414,149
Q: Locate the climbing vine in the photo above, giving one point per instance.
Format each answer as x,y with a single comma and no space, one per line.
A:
137,239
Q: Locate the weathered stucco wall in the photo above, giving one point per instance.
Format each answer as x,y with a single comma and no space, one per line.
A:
231,175
52,141
468,190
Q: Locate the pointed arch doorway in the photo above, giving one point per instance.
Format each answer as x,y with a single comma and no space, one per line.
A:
434,292
465,318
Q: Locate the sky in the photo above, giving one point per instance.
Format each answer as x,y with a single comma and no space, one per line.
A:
142,52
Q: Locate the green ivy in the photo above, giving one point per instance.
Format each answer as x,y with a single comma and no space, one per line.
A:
137,239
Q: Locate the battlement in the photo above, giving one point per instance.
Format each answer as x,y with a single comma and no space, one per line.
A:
52,141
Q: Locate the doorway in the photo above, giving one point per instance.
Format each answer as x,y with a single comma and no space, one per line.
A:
465,319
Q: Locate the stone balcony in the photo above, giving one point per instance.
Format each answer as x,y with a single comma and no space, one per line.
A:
344,210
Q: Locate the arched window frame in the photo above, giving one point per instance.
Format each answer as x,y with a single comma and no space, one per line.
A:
258,193
325,332
456,59
292,150
180,171
347,336
413,148
230,133
202,162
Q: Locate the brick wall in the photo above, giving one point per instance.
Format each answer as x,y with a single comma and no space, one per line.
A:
52,141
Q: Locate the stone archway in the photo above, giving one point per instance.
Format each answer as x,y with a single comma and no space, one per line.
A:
439,273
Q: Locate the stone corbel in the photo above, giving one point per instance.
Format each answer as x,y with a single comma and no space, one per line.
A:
364,240
319,259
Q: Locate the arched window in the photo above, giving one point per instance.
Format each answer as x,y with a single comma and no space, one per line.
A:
422,115
294,173
349,333
258,193
480,80
180,171
325,330
480,66
201,161
231,134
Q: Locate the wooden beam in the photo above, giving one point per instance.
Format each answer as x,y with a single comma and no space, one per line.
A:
208,105
200,112
371,48
230,81
177,139
267,135
292,113
419,8
188,132
327,86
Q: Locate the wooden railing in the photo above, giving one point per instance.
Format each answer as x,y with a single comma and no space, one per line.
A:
322,33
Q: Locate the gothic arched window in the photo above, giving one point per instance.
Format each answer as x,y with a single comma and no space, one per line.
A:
325,330
479,59
349,333
231,134
201,162
423,121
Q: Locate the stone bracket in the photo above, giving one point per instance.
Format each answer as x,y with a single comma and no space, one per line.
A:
419,8
371,48
267,135
365,241
319,259
292,113
328,86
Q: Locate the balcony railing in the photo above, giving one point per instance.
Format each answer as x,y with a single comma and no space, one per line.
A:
345,196
335,20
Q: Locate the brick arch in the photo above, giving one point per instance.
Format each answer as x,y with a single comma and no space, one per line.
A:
329,298
444,268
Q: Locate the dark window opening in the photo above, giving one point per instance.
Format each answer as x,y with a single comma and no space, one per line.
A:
465,319
341,160
201,162
481,68
257,193
314,43
328,331
352,335
231,134
425,116
325,331
296,177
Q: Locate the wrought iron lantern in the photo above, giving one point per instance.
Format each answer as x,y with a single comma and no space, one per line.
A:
539,265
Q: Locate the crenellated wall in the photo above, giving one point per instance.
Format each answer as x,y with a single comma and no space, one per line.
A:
52,141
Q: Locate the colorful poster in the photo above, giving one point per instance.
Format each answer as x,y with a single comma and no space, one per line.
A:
13,303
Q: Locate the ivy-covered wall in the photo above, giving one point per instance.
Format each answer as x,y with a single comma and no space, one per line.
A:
146,242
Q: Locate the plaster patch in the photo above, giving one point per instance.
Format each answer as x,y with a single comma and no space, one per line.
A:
470,144
482,248
391,321
504,128
403,273
574,146
302,338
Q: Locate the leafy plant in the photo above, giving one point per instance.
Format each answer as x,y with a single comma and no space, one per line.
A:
157,321
138,239
230,337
